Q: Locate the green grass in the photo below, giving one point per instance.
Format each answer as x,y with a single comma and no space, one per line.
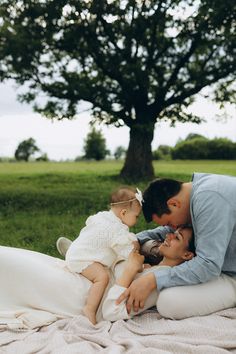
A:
82,168
41,201
179,168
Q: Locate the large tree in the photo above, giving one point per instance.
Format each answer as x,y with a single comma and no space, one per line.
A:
26,149
135,61
95,146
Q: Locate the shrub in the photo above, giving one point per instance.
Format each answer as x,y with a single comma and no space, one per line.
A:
221,149
162,153
204,149
193,149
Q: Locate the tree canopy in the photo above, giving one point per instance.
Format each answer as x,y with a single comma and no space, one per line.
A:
136,62
26,149
95,146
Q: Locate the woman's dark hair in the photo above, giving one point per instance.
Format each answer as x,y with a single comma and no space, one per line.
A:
191,244
156,196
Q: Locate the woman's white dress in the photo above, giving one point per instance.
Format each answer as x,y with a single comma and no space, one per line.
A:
37,290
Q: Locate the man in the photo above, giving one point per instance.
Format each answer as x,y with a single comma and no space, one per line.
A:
207,283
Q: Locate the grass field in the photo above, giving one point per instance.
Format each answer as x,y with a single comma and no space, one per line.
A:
41,201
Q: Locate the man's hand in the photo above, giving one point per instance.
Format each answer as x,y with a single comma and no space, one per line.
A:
138,292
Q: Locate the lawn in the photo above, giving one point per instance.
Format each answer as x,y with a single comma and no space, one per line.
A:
41,201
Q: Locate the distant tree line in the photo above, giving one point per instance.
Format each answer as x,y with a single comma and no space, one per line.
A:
197,147
94,149
27,149
193,147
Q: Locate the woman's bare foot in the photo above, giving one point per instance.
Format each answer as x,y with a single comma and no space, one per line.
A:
90,314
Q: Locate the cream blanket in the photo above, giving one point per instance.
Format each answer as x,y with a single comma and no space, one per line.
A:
147,334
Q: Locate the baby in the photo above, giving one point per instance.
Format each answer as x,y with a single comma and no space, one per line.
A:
104,241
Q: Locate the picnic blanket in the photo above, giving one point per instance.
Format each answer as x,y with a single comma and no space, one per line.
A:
147,334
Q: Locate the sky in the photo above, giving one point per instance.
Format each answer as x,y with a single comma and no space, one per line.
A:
63,140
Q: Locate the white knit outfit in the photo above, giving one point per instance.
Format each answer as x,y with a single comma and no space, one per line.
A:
104,239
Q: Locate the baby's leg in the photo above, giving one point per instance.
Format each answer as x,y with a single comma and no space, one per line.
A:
100,278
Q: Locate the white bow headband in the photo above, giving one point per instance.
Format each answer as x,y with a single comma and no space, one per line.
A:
138,197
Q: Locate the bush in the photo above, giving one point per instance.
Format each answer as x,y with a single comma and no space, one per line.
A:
221,149
194,149
162,153
192,136
43,157
120,152
204,149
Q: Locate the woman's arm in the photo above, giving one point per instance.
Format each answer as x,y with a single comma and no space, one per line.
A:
111,311
133,265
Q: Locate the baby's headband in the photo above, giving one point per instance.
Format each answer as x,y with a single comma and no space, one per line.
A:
138,197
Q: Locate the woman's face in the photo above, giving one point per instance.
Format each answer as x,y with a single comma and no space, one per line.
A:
176,244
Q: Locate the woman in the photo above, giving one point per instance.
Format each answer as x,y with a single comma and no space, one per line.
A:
37,289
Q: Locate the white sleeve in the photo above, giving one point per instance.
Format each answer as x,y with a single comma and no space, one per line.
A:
122,244
111,311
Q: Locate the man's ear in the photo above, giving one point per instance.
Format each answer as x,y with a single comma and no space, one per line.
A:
155,218
188,255
175,202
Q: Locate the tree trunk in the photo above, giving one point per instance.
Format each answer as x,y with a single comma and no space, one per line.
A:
138,162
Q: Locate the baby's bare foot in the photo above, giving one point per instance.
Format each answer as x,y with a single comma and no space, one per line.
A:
90,314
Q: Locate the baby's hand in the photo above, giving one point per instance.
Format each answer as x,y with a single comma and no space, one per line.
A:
136,246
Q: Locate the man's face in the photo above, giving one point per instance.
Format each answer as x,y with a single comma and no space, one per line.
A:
176,218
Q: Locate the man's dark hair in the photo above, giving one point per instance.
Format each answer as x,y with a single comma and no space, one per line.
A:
156,196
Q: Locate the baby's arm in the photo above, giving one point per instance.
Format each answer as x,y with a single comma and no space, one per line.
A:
122,244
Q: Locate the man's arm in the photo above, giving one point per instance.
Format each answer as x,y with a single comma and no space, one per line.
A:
213,222
159,234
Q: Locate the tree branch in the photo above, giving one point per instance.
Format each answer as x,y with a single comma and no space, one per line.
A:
196,89
183,60
99,60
